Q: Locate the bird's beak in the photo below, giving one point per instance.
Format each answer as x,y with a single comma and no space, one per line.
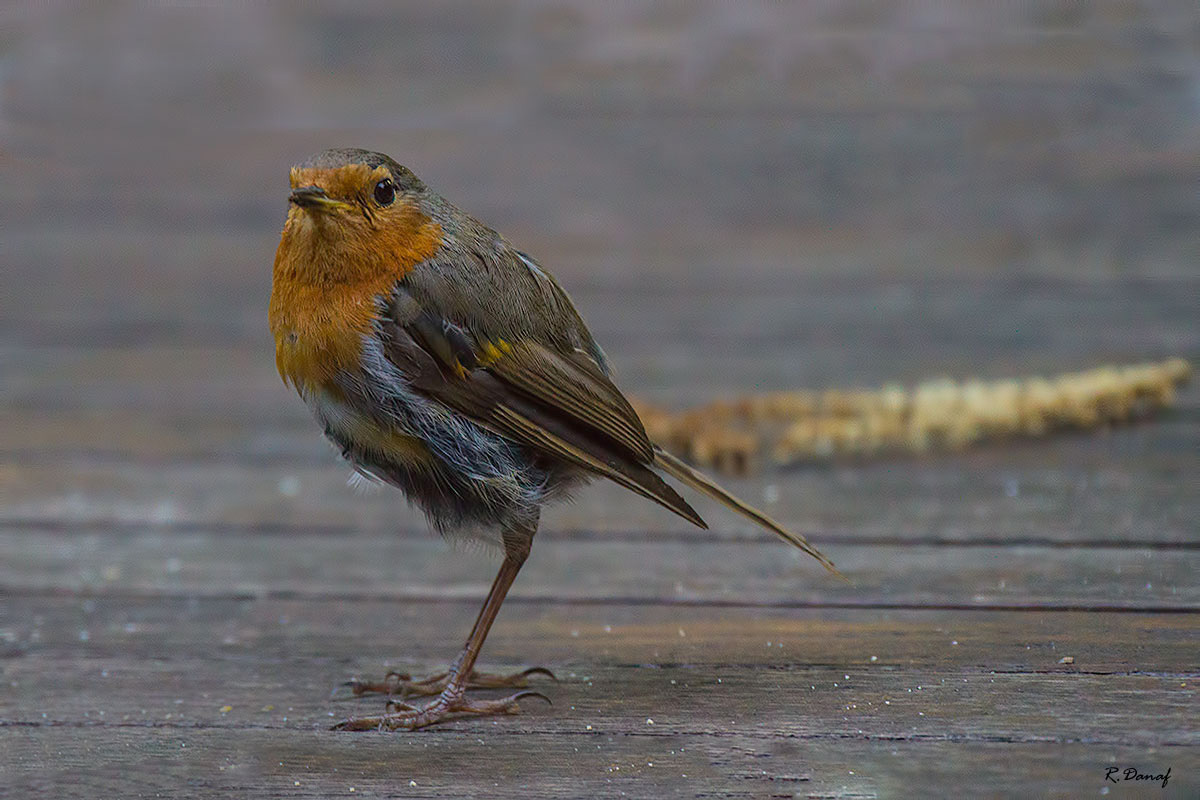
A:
314,197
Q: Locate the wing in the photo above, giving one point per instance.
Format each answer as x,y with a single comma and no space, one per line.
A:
555,400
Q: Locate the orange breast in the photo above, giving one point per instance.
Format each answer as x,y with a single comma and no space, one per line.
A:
328,279
318,331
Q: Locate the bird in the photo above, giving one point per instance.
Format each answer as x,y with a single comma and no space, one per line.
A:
441,360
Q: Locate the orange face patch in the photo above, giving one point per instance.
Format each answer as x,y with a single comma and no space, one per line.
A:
331,266
341,183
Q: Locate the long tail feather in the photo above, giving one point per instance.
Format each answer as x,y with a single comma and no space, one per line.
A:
702,483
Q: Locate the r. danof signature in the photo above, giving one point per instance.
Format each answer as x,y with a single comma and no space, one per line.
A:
1116,775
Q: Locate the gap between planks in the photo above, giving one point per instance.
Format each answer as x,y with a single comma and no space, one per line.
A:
70,527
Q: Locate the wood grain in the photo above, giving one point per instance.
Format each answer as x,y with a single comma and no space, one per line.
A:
761,695
323,565
307,764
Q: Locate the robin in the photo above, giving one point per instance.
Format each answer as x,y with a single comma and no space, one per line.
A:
442,360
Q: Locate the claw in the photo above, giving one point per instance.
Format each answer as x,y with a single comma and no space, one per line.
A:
357,724
523,695
540,671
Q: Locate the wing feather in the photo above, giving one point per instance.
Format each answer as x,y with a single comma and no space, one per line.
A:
574,385
433,359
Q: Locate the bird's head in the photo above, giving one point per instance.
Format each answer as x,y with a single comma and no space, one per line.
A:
354,215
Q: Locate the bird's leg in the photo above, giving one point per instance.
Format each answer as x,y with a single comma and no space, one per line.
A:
452,700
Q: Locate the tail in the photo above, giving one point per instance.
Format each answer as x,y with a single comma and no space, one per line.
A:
705,485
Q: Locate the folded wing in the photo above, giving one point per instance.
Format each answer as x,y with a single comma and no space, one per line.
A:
559,403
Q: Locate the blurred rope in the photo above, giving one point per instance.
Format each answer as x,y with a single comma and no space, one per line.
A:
736,436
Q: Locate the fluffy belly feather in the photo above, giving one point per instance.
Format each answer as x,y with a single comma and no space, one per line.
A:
365,442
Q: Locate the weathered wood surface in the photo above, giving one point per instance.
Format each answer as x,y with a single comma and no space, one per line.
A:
329,566
739,197
765,696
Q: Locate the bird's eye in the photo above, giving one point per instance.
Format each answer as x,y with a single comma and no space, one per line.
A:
385,192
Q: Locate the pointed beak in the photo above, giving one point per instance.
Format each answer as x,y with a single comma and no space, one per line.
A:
314,197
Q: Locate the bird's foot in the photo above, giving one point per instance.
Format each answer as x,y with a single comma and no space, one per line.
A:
450,704
403,685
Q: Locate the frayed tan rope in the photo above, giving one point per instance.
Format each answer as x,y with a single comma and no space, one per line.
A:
737,435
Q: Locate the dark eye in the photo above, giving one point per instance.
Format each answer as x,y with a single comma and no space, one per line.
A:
385,192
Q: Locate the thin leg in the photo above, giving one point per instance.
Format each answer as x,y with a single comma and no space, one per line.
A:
452,700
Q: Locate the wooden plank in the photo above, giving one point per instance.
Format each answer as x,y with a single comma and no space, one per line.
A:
233,382
915,705
124,439
787,326
680,572
218,692
156,762
990,131
320,640
1002,682
1131,485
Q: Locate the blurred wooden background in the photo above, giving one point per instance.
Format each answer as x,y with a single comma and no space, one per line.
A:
738,196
